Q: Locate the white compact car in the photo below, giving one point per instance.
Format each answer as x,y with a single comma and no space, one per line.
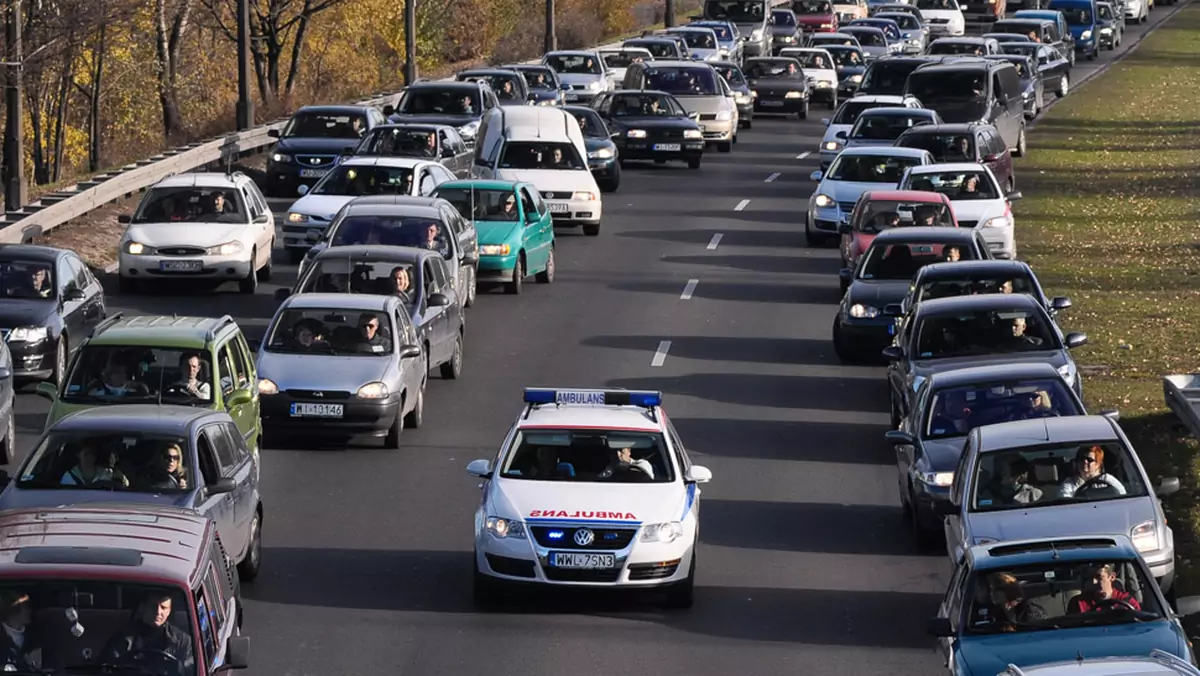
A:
943,18
847,114
819,69
977,199
591,488
854,172
205,228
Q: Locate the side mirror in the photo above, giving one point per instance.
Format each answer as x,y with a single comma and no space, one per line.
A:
991,158
893,353
1186,606
239,398
1112,414
845,229
1075,340
262,219
616,135
47,391
815,176
438,300
74,293
1013,196
893,310
222,485
846,275
695,117
899,438
125,218
531,97
840,134
282,295
940,627
273,133
1060,303
480,468
697,474
237,653
389,110
302,190
1168,486
825,121
410,351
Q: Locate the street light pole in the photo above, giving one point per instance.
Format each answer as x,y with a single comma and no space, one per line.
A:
245,105
669,19
551,36
14,146
410,42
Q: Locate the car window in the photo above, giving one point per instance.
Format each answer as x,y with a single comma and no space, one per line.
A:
208,629
240,452
225,371
431,281
954,594
439,273
959,186
947,287
1055,474
240,362
78,271
405,326
223,448
954,411
528,204
192,205
900,261
979,332
870,168
114,374
587,456
123,461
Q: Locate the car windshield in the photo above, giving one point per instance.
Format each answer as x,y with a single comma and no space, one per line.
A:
867,37
541,155
850,111
732,75
698,39
955,411
1022,66
722,31
845,57
589,123
894,261
1075,14
880,215
937,5
1029,49
887,78
192,205
698,81
325,125
354,274
983,332
122,461
436,101
116,614
505,85
590,456
364,179
875,126
975,284
956,47
783,18
945,147
660,49
482,204
957,185
810,59
1052,474
1008,37
773,69
412,231
954,86
736,11
574,64
538,77
331,331
822,7
1104,12
622,59
646,104
26,280
131,374
1058,594
905,21
399,142
870,168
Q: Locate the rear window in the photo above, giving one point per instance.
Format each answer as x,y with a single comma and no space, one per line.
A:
945,147
897,261
885,78
877,127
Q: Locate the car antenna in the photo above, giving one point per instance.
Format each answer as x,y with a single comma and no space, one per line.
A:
161,374
1054,551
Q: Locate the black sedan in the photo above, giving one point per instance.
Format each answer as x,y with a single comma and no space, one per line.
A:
1033,91
458,104
966,278
311,143
509,85
427,141
49,303
651,125
601,151
1052,67
779,86
785,30
861,328
544,87
743,96
851,64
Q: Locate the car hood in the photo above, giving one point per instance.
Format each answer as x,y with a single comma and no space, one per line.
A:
845,191
315,146
496,232
15,312
847,71
579,78
704,104
321,206
875,50
977,210
775,86
1108,517
550,179
1077,31
651,122
25,498
867,142
943,454
820,73
959,112
594,143
815,19
185,234
877,293
704,54
928,367
544,94
321,372
435,118
578,501
992,654
940,14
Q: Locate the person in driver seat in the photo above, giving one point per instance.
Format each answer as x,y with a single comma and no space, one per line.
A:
1038,405
190,368
1089,471
21,641
955,414
624,463
1100,594
88,470
150,631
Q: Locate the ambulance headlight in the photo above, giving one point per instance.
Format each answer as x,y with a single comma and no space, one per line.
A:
505,528
662,532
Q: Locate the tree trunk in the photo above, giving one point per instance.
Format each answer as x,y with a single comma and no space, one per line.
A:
298,49
168,34
60,113
33,99
97,78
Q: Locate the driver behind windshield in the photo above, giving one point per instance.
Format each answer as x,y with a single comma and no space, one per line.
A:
1100,593
149,634
20,642
1089,472
190,368
624,464
115,382
89,470
370,338
39,282
955,415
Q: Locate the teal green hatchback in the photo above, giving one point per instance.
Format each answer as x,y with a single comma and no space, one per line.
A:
516,234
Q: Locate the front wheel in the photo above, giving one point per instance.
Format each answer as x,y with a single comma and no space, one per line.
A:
1020,150
833,102
682,595
591,229
694,164
514,285
803,114
452,369
249,284
547,276
1064,86
725,147
249,566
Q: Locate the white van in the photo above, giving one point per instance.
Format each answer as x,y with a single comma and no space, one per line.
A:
543,146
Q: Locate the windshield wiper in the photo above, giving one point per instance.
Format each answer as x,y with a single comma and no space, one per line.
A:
110,667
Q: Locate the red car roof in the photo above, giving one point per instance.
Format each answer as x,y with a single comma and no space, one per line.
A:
908,196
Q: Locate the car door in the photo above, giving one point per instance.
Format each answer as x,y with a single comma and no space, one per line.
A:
240,465
94,309
218,507
994,147
908,454
260,224
442,272
536,233
72,300
233,375
267,230
954,525
434,317
460,276
951,608
412,374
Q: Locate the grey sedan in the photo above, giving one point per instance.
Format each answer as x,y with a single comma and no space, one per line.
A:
342,364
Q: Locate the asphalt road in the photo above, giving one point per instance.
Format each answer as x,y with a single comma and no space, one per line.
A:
804,564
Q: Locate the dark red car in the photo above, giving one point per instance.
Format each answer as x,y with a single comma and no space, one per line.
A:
880,210
971,142
815,16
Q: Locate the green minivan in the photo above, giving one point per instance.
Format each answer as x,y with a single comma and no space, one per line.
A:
516,233
189,361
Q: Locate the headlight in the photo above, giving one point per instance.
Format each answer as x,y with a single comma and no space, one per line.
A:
1068,374
586,196
1087,35
997,222
1145,537
267,386
494,249
831,145
469,129
753,94
294,217
725,116
756,34
505,528
741,98
602,154
823,201
662,532
280,157
226,249
693,133
793,95
942,479
374,390
723,52
636,133
860,311
137,249
1106,31
595,85
27,334
856,78
548,102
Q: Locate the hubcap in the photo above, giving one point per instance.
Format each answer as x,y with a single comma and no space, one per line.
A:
256,542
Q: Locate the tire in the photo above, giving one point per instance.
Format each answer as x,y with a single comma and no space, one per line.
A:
833,102
414,418
839,347
803,114
248,567
1021,149
694,164
1012,184
591,229
249,284
126,286
60,362
472,288
513,287
748,123
811,239
725,147
265,272
485,593
682,595
547,276
452,369
922,537
1064,86
295,256
392,440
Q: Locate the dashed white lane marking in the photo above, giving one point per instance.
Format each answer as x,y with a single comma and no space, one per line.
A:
772,177
712,243
689,289
804,154
661,355
741,205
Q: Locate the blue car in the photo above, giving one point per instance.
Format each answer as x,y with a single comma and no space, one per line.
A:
1083,21
1031,602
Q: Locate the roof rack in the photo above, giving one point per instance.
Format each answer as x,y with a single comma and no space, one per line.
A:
221,324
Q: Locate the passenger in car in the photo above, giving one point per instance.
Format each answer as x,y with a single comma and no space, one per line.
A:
89,470
1008,606
1100,594
1012,485
20,643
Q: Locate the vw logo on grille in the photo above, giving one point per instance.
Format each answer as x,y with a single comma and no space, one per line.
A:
548,195
584,537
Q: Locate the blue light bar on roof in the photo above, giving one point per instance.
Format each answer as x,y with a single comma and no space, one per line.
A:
642,398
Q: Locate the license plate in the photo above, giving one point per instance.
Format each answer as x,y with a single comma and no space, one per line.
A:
572,96
772,104
180,266
304,410
559,208
582,561
667,146
313,173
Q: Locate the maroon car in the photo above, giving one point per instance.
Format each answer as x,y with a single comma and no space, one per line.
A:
970,142
815,16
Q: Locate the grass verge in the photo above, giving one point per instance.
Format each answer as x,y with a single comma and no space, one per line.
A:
1112,187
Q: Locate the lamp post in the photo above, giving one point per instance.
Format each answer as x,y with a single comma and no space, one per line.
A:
245,105
14,141
410,42
551,37
669,18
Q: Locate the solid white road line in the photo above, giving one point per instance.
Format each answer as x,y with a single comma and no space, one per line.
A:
741,205
712,243
804,154
772,177
689,289
661,355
